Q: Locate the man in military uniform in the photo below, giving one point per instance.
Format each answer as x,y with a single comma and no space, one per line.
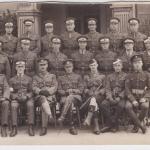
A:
94,91
28,56
146,55
56,57
35,45
69,37
46,42
127,54
9,41
93,36
70,88
115,36
138,93
44,88
105,56
21,94
4,63
4,101
115,97
82,56
136,35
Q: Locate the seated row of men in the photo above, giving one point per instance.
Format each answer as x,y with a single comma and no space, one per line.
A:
93,92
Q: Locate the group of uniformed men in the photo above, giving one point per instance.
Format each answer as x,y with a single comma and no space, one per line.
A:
94,72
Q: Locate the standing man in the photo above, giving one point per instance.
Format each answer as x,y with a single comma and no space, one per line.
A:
46,43
93,36
138,93
136,35
4,63
69,37
9,41
26,55
127,54
115,36
115,97
94,93
4,101
44,88
82,56
70,88
56,57
105,56
35,45
21,94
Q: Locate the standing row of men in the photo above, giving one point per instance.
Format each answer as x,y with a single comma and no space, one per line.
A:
74,62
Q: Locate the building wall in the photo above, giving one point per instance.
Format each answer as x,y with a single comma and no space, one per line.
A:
54,12
143,13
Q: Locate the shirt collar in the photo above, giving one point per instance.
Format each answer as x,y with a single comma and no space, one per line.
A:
82,51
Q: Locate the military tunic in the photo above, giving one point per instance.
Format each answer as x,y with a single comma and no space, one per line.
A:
137,85
127,65
115,85
95,83
46,44
46,82
81,61
69,42
146,61
4,93
21,93
56,62
105,60
35,45
116,39
5,66
93,41
30,59
139,38
9,45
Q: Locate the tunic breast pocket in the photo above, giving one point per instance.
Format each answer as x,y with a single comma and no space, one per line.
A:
142,82
2,66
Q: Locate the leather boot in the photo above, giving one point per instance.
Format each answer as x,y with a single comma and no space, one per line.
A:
143,128
43,131
73,130
14,131
31,130
51,119
105,129
87,121
3,131
96,126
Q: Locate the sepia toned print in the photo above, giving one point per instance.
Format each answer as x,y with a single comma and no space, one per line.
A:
74,73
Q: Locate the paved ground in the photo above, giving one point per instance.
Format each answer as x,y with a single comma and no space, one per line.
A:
56,136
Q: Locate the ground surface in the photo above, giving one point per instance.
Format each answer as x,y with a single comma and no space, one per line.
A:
57,136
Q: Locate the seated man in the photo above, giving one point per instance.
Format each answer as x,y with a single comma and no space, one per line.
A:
44,88
138,93
21,93
4,101
94,93
115,97
70,88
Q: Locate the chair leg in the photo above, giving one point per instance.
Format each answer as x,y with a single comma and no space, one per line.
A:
54,115
102,118
78,115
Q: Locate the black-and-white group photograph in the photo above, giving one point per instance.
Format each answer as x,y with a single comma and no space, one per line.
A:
74,73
